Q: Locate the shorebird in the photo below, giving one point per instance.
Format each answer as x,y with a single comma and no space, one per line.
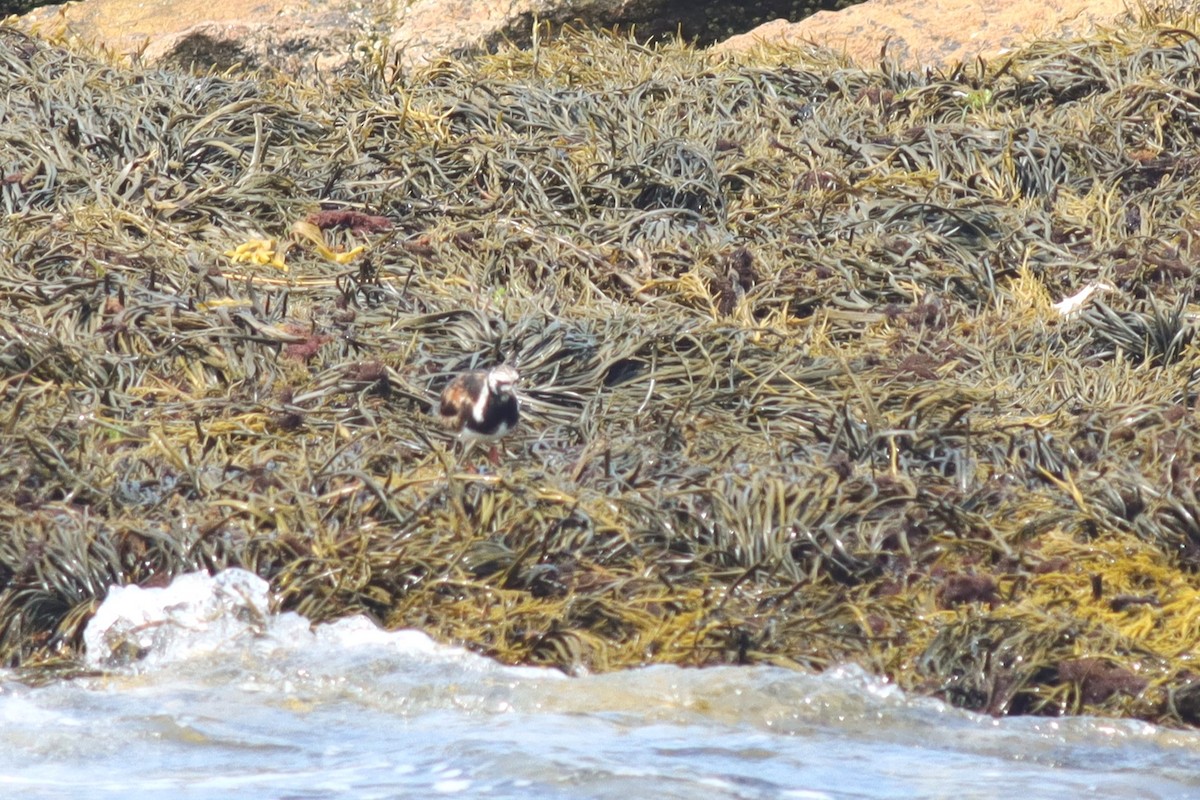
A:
481,405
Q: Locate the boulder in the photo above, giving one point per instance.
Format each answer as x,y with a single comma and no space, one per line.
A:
288,34
427,29
295,34
936,33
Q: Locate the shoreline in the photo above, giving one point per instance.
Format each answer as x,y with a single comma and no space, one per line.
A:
798,385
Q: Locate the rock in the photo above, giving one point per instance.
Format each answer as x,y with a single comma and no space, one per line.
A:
429,28
936,33
288,34
293,35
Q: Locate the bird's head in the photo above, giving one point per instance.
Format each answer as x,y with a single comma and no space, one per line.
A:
501,380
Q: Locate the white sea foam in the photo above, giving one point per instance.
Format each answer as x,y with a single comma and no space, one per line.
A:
196,613
218,693
199,613
230,614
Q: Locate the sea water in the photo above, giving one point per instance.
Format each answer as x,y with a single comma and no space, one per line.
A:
202,692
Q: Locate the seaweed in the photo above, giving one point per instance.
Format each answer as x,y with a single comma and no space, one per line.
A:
815,366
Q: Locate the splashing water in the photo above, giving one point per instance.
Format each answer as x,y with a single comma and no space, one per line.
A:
208,694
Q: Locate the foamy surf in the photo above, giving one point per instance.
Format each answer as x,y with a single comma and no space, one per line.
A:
208,693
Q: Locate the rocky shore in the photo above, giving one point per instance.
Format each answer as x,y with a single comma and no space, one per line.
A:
820,362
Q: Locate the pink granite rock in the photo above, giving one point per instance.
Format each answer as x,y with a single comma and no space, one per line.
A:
208,33
936,33
290,34
293,35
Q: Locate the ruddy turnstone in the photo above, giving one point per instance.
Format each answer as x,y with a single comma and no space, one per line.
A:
481,405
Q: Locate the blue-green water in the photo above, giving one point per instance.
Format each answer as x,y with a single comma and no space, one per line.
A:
231,701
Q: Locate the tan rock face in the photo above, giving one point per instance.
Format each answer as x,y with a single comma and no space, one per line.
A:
208,33
292,33
430,28
296,34
936,33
